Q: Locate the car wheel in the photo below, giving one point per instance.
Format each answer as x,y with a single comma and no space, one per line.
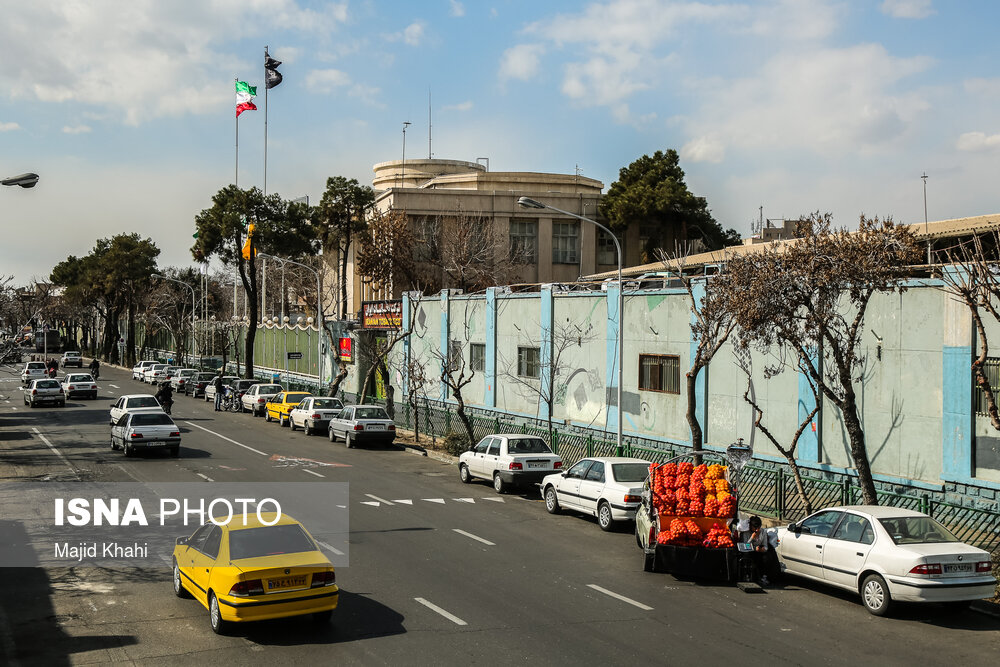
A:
267,417
875,595
219,626
291,422
349,441
498,484
62,404
604,518
551,500
308,429
179,589
282,420
330,435
463,473
127,447
321,617
113,445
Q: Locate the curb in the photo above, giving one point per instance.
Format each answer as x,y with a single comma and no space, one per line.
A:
417,450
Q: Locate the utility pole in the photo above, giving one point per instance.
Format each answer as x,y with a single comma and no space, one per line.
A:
924,178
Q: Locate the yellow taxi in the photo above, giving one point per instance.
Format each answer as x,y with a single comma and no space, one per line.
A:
247,570
281,404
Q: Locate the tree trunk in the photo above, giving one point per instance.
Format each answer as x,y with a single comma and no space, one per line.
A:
468,422
334,385
692,418
343,274
859,451
799,487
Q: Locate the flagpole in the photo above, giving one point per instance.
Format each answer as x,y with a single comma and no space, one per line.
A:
265,121
237,182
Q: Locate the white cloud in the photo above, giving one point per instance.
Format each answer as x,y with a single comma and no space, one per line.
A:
907,9
9,127
457,8
708,148
76,129
977,142
412,34
326,81
461,106
521,62
983,87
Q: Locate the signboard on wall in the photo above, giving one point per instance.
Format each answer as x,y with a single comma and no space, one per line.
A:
383,315
346,350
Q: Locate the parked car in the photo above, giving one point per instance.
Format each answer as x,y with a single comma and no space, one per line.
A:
180,378
885,554
79,384
249,571
169,373
145,431
134,403
46,390
241,386
361,425
155,374
71,359
608,487
33,370
255,399
313,414
140,368
508,460
281,404
227,381
195,385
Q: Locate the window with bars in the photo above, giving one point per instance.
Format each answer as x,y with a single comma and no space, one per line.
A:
523,242
660,372
529,362
606,253
565,243
426,230
992,370
455,355
477,357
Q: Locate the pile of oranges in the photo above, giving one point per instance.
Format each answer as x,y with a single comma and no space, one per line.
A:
681,489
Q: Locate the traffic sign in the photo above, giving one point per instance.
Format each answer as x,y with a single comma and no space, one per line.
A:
294,355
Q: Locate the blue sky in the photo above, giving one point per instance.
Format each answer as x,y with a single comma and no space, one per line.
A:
126,109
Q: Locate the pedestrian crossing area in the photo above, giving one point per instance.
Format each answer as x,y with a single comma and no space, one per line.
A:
376,501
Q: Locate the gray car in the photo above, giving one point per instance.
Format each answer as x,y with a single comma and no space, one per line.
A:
362,424
41,392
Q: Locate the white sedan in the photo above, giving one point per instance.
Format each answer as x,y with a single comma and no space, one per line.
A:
79,383
134,403
608,487
313,414
885,554
508,459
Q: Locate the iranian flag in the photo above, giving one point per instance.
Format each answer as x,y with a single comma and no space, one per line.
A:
244,97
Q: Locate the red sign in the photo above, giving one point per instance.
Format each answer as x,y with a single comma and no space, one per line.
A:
346,349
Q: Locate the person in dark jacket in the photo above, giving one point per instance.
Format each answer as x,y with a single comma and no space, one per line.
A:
165,396
217,383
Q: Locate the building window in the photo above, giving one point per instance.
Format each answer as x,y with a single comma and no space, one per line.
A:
455,356
427,249
523,242
477,357
660,372
992,371
529,362
606,253
565,243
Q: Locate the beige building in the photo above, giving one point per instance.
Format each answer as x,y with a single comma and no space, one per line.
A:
558,248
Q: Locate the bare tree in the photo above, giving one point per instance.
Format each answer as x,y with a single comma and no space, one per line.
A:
811,294
456,374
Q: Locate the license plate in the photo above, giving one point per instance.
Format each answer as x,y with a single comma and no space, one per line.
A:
538,465
285,582
950,568
375,427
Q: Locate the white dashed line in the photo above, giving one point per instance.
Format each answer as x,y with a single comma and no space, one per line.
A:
312,473
403,502
114,386
329,548
205,477
474,537
433,607
255,451
620,597
57,452
381,500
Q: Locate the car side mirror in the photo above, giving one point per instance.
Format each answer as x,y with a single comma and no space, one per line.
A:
181,541
793,527
112,405
565,473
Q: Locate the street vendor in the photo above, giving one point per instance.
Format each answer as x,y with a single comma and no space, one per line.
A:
765,559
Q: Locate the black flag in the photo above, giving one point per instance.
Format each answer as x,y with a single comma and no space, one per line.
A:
272,77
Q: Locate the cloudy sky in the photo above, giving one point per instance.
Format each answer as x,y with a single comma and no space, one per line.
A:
126,108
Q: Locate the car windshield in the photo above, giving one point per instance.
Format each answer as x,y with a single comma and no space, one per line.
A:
72,354
327,404
245,384
269,388
916,530
159,367
152,420
143,402
79,378
370,413
295,398
205,376
47,384
268,541
527,446
630,472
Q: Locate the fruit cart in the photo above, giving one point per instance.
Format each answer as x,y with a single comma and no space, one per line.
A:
683,523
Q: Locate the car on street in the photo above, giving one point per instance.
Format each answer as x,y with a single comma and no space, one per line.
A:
246,570
227,381
155,374
313,414
44,391
79,384
607,487
362,425
885,555
180,378
140,368
508,460
71,359
281,404
143,403
195,385
146,431
257,396
169,373
240,386
33,370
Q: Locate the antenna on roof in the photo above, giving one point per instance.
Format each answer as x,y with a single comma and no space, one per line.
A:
430,155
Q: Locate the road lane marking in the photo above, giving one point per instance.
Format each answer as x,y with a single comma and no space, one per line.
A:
295,460
493,500
440,501
256,451
205,477
465,500
620,597
115,386
433,607
313,473
332,549
381,500
57,452
403,502
370,502
474,537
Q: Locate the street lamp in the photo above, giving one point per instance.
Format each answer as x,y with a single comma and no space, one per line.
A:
194,317
24,180
319,315
526,202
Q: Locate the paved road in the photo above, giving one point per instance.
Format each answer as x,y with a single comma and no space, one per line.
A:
439,573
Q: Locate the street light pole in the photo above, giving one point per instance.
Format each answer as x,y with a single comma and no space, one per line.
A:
194,338
527,202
